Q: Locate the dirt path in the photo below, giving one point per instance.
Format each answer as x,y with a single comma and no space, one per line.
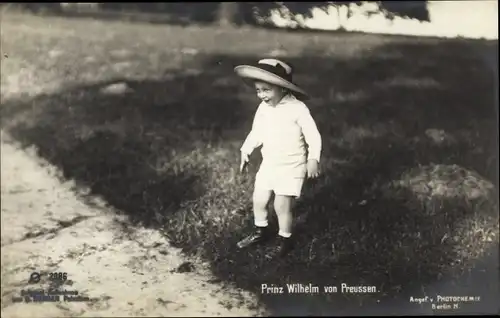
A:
46,227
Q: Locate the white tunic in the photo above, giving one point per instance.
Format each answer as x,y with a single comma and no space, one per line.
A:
288,136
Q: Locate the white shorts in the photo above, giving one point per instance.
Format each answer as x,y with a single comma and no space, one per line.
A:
279,184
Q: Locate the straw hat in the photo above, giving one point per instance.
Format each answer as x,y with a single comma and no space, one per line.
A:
271,71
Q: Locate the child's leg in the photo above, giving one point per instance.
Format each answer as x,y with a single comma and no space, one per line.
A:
283,205
286,194
261,233
261,198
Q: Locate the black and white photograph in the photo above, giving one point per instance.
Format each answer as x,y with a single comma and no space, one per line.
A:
253,159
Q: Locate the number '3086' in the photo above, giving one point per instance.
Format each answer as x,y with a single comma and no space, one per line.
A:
58,276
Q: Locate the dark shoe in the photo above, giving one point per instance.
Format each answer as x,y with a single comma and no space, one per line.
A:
260,235
283,246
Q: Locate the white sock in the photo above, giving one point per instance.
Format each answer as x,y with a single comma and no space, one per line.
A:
261,223
284,234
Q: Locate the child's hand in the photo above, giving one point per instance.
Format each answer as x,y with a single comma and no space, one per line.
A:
244,161
312,168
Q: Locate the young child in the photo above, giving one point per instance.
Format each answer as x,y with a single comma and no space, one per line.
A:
291,148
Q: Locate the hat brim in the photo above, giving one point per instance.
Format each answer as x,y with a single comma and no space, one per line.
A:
253,73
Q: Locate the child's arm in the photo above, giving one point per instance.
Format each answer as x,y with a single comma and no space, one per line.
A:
313,140
311,134
253,139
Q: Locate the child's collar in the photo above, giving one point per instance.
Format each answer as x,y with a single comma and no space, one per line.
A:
287,98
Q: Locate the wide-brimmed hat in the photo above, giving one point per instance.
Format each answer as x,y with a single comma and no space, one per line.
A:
271,71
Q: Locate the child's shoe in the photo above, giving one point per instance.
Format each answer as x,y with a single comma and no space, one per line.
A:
260,235
283,246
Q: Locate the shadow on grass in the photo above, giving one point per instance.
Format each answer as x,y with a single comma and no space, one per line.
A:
140,145
165,154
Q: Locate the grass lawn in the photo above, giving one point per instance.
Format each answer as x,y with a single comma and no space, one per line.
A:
408,191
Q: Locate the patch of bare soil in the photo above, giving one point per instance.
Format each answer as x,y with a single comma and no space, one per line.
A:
123,271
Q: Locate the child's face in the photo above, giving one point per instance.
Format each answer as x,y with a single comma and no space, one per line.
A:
270,94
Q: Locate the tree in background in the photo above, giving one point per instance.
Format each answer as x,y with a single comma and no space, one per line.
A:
390,9
292,10
405,9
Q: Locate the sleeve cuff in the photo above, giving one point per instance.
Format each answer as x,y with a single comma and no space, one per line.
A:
314,157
